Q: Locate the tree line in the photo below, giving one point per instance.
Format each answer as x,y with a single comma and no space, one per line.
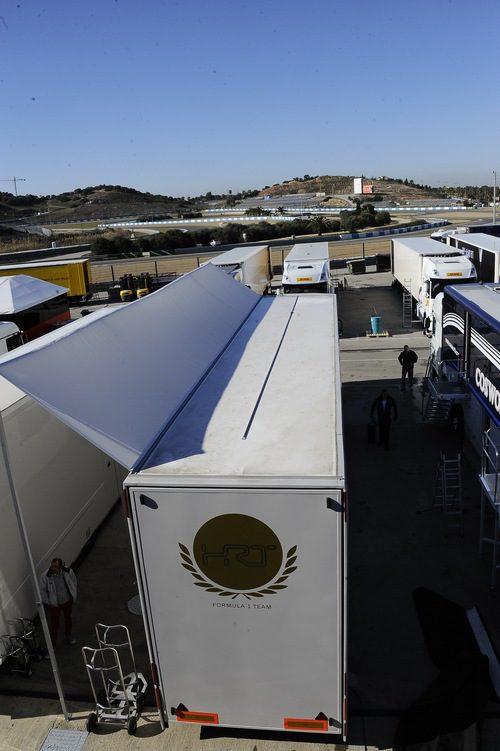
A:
232,233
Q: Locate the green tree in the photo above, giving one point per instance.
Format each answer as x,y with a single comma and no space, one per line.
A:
101,247
257,211
229,233
319,224
260,231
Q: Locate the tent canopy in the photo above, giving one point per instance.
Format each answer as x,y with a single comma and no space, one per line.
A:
21,292
119,375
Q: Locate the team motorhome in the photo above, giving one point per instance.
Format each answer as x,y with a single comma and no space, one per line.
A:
484,252
235,501
465,351
465,378
307,267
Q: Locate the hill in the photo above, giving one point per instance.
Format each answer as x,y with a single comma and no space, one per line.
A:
93,203
117,202
398,191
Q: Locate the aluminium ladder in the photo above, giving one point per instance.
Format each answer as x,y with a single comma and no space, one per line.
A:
407,305
447,495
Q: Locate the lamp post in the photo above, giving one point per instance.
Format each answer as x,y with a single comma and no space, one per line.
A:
494,197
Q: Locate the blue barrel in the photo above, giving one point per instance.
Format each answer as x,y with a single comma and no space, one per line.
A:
375,324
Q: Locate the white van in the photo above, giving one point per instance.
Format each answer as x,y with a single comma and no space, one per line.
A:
307,267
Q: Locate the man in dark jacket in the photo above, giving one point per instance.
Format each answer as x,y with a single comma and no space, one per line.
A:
407,359
385,407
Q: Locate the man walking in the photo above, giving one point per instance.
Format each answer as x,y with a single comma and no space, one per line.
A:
407,359
58,590
385,407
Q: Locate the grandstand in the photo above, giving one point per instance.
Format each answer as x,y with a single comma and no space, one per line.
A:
291,201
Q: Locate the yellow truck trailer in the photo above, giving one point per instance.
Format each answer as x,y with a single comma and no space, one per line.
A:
74,274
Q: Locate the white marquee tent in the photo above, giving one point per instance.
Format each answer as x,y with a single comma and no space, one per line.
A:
21,292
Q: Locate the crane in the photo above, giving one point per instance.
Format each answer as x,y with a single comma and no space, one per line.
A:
14,180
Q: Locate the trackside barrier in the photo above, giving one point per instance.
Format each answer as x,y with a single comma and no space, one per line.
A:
338,209
392,231
249,219
204,220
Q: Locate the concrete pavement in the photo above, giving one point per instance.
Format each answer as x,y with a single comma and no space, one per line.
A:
24,726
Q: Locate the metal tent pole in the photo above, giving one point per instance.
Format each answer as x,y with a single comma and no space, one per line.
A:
34,579
494,197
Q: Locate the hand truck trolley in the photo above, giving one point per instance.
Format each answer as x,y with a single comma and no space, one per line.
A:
119,698
14,652
27,632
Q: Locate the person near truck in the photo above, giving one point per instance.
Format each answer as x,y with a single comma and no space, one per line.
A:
58,590
407,359
385,409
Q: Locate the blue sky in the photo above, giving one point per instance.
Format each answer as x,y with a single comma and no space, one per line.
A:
181,98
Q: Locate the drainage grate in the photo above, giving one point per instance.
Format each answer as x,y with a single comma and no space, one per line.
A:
65,740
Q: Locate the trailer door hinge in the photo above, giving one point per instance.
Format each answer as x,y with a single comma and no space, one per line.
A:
146,501
333,505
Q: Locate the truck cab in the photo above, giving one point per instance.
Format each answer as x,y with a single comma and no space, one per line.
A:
307,267
10,337
437,272
308,274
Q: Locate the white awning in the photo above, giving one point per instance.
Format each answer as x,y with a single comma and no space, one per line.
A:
118,376
21,292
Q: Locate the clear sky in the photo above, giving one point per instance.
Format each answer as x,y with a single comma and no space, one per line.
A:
189,96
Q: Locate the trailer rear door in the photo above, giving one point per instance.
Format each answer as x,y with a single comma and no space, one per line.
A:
245,597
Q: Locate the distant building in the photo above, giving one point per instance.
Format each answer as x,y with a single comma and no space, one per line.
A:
362,186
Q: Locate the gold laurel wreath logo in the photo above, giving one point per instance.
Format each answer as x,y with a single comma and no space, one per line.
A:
279,584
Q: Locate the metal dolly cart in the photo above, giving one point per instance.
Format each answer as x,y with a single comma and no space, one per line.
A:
14,653
28,634
19,648
119,698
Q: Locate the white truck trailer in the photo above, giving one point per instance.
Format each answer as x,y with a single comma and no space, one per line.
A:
249,265
65,488
307,267
236,495
424,267
484,252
